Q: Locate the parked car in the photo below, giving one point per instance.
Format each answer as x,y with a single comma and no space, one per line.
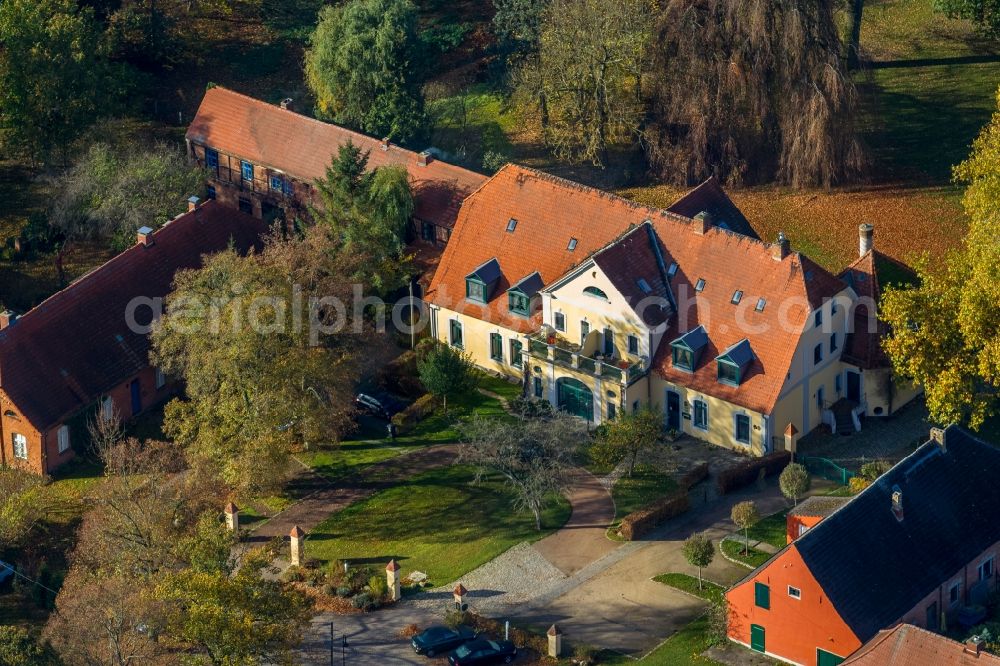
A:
482,651
6,574
381,405
437,640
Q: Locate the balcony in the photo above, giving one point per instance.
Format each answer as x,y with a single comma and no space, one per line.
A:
568,355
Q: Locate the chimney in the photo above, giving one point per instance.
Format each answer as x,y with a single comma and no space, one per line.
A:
938,436
7,318
424,158
287,103
144,236
897,503
193,202
702,222
385,143
865,234
780,249
974,645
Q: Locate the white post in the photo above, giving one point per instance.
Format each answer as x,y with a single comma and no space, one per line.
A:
298,546
392,578
555,641
233,518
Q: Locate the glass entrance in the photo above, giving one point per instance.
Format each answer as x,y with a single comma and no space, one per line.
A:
575,398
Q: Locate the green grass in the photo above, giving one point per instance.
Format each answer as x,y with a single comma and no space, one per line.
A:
439,522
646,485
771,529
734,549
502,387
471,123
684,648
709,591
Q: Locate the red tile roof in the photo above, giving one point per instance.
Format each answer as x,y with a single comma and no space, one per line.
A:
551,210
65,353
907,645
711,198
303,147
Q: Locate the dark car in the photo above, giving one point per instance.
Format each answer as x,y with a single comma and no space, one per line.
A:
482,651
381,405
436,640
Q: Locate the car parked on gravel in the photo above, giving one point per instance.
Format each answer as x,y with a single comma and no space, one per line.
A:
382,405
438,640
482,651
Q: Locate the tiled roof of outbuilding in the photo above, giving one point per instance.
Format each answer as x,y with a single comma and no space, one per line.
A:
907,645
63,354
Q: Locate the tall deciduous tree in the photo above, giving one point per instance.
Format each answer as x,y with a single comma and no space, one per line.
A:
518,26
628,438
109,193
699,552
752,92
534,456
946,331
363,66
586,80
369,211
54,80
267,355
445,372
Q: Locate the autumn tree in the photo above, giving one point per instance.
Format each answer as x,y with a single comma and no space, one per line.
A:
54,78
370,211
534,456
446,371
984,14
363,67
22,504
794,481
699,552
751,92
744,515
946,330
110,193
585,83
20,647
518,26
628,438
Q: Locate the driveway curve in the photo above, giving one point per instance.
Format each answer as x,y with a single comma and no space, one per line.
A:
583,538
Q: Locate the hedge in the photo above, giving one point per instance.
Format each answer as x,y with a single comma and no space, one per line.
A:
421,408
694,476
520,637
400,376
641,522
745,473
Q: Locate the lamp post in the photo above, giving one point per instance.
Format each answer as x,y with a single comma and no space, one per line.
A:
331,644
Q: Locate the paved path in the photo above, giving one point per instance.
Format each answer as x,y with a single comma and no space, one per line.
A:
583,538
327,496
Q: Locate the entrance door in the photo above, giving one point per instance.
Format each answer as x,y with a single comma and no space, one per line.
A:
854,387
136,396
575,398
757,637
673,411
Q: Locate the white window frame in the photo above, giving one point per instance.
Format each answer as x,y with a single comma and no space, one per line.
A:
161,379
19,442
451,333
638,347
993,569
556,318
62,437
694,415
107,408
797,592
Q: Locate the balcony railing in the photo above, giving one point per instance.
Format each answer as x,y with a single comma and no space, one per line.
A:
566,354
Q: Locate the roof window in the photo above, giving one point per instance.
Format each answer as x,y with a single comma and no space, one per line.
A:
511,224
572,244
672,270
760,304
737,297
700,284
644,286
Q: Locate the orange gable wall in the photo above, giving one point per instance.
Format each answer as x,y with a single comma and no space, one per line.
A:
794,523
793,628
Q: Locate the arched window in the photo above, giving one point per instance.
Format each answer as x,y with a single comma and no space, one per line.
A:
596,293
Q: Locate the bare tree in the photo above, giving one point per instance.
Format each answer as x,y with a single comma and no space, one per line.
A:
534,456
733,80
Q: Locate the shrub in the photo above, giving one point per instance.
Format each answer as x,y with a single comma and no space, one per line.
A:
294,574
585,654
400,376
454,618
745,473
365,602
641,522
694,476
531,407
856,484
421,408
493,161
378,587
344,592
873,470
520,637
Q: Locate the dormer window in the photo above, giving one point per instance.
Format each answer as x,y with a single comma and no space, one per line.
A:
596,293
699,285
518,303
687,349
520,294
511,225
737,297
480,283
733,363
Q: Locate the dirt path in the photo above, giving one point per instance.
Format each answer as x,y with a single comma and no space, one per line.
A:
582,539
325,497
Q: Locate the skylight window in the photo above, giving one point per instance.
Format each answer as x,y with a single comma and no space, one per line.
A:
572,244
737,297
672,270
760,305
699,285
644,286
511,224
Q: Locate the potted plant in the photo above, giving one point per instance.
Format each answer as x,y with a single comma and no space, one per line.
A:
551,339
623,364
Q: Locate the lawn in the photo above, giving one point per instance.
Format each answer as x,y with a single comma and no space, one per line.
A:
646,485
771,529
439,522
682,649
735,549
709,591
503,388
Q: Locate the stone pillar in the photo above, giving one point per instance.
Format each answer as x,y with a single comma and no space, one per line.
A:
392,578
791,439
298,546
460,593
555,641
233,518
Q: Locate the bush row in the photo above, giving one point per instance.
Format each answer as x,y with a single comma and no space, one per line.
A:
400,376
641,522
694,476
521,638
745,473
421,408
